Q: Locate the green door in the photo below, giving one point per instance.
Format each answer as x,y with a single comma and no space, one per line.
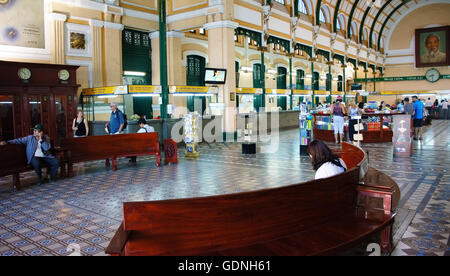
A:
136,57
257,83
195,76
281,84
300,79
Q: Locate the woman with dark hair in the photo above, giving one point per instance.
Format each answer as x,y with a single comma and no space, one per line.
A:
324,161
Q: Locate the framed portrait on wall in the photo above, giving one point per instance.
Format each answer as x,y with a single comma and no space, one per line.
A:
433,47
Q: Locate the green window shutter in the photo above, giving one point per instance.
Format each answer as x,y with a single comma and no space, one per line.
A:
281,84
340,79
257,76
316,81
300,79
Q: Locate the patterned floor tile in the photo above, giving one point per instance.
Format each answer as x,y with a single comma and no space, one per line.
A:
81,214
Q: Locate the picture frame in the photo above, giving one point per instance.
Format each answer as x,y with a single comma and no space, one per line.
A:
78,40
432,47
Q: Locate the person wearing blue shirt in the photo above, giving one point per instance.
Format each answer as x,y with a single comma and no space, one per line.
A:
419,110
38,151
116,121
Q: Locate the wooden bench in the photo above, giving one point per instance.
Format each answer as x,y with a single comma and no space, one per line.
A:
107,147
13,160
320,217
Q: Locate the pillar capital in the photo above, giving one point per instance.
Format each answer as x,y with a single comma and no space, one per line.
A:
96,23
115,26
221,24
58,16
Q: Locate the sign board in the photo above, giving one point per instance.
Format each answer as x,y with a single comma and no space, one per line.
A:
402,135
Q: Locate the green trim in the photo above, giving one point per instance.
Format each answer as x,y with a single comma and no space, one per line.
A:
282,42
386,21
163,57
362,26
352,61
375,21
350,18
406,78
336,13
224,136
319,3
252,34
339,57
323,53
307,49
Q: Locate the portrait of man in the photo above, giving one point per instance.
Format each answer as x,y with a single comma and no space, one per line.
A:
431,47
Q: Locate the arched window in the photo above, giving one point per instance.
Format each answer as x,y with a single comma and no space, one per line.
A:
381,43
322,16
340,22
338,25
280,1
302,7
374,39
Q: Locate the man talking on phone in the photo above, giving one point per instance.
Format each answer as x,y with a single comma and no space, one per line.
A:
38,151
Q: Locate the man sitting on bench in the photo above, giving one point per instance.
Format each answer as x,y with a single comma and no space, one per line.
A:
38,150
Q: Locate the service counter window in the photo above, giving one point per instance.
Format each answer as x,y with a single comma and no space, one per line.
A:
6,118
98,108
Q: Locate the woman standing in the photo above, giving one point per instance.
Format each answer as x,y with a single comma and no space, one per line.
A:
80,126
338,119
324,161
354,112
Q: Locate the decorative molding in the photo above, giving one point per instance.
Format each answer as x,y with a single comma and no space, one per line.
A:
83,30
96,23
57,16
141,15
115,26
83,63
221,24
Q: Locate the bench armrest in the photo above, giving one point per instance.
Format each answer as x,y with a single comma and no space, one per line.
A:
376,192
118,242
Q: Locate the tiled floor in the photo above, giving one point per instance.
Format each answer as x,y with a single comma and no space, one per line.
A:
81,214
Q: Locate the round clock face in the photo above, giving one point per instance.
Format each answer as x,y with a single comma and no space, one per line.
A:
24,73
432,75
63,75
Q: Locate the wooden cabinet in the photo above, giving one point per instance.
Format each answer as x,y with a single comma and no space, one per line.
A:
32,93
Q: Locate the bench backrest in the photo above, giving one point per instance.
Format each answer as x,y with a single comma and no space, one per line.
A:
98,147
12,157
232,220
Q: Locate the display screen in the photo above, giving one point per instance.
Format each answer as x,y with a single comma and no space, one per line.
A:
215,76
356,87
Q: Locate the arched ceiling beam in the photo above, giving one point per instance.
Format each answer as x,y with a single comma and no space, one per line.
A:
319,3
361,28
350,18
387,20
375,21
336,13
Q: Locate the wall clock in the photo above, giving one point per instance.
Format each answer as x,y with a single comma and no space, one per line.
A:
24,73
432,75
63,75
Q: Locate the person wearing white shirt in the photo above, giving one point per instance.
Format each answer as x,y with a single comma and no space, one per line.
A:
144,128
324,161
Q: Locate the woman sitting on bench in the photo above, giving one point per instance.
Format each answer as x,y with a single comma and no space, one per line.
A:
324,161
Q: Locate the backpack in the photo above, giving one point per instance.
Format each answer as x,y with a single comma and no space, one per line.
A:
125,119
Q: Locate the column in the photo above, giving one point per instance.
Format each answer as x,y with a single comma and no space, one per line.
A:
221,52
344,84
57,37
290,79
263,78
97,52
176,74
330,80
163,61
112,71
312,84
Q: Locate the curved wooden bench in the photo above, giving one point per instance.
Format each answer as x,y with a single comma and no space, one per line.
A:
319,217
107,147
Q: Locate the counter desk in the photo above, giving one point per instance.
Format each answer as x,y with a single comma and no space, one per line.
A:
377,127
